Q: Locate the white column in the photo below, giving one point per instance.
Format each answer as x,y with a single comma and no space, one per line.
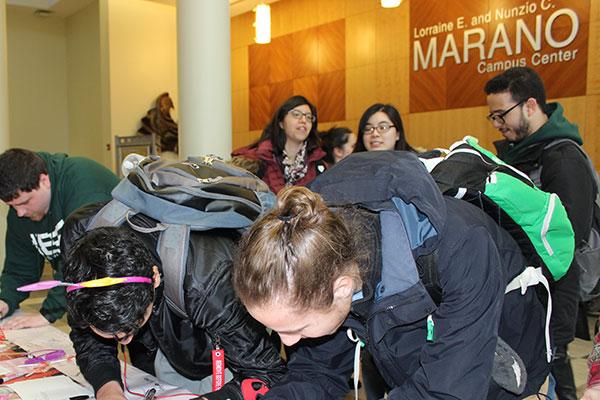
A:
4,137
204,75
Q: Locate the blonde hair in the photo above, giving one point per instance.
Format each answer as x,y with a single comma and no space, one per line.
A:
295,252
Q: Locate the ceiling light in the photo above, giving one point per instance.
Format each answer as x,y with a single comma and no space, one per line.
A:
262,23
390,3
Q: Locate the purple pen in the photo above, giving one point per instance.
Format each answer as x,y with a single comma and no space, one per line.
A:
50,356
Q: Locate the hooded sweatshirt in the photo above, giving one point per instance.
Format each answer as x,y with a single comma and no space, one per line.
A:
75,181
557,126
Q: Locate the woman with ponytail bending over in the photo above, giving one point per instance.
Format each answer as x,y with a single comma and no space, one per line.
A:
334,270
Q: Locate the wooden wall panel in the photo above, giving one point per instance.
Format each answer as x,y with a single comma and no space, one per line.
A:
258,67
259,109
239,69
330,10
389,24
593,83
308,87
575,110
592,139
280,59
391,81
360,40
377,67
303,14
331,49
359,90
309,62
240,121
354,7
306,52
242,32
280,92
426,130
331,96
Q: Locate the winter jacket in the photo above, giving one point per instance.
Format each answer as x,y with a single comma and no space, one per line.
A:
74,182
475,261
564,172
271,170
214,310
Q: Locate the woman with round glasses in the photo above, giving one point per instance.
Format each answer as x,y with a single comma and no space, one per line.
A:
380,128
288,150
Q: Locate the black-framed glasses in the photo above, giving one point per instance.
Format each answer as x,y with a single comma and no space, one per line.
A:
297,114
499,118
381,128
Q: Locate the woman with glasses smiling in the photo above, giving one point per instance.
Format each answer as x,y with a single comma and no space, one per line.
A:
289,149
380,128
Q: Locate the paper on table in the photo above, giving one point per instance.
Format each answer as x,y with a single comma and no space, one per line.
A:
46,337
43,337
55,388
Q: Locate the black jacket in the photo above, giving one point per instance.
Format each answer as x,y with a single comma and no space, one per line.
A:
216,314
475,261
564,171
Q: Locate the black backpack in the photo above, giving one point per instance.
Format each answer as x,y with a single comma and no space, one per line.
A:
587,255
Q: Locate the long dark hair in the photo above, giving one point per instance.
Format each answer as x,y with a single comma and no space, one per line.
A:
276,134
393,115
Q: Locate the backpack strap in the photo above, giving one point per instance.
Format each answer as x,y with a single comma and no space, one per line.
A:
536,173
172,246
532,276
587,158
114,213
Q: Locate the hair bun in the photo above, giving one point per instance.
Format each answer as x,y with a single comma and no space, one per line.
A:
298,205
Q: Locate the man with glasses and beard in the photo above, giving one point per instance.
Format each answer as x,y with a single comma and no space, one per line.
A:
517,102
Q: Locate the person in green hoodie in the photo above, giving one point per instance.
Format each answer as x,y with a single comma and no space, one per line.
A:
517,103
41,189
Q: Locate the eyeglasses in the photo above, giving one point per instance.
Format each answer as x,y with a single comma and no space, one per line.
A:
297,114
499,118
381,128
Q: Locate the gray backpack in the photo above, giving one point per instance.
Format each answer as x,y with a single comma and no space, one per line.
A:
587,255
198,194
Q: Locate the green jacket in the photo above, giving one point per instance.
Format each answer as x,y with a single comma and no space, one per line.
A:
556,127
75,181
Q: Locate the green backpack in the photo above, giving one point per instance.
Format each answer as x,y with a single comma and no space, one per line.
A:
537,220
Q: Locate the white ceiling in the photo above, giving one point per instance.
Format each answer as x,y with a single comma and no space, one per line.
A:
64,8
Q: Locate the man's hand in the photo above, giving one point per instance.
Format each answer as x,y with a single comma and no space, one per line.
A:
592,393
24,320
110,391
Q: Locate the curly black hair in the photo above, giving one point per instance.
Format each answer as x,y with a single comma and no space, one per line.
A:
109,252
